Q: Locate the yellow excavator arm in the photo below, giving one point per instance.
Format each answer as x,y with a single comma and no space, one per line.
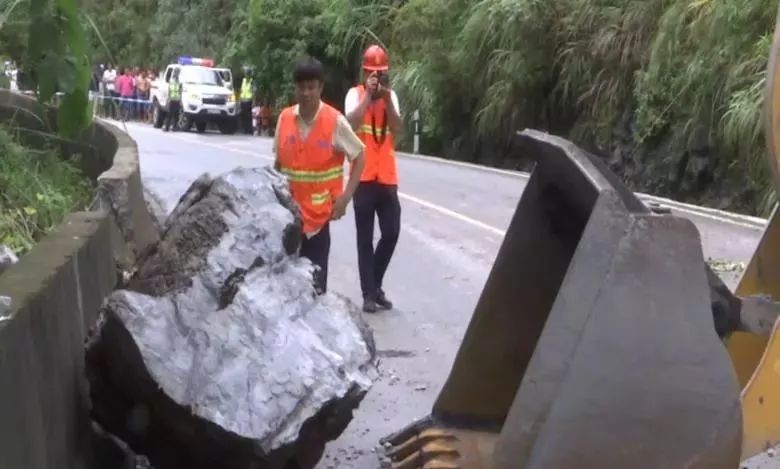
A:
756,357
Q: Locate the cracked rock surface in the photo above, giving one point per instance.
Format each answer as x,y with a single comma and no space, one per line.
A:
219,354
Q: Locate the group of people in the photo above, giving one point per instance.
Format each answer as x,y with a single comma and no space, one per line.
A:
312,142
123,92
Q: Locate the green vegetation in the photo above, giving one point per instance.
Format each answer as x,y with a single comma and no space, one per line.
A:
39,188
669,91
47,38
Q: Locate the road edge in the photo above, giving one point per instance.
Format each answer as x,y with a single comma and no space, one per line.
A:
707,212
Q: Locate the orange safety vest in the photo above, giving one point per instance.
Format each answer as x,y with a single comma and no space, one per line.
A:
380,145
314,169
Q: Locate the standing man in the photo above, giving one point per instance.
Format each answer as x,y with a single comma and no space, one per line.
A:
174,102
373,111
247,95
109,78
311,142
125,88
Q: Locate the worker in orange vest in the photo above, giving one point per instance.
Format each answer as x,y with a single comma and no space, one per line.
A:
311,142
372,109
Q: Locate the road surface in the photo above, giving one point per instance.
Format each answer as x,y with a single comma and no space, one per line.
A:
453,219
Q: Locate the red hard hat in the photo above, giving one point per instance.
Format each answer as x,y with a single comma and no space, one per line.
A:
375,58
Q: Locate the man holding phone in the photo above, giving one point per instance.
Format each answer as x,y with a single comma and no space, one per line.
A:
373,111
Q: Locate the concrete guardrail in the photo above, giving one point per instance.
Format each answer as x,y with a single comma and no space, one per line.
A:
57,289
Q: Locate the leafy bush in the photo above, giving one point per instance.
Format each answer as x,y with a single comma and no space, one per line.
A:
37,189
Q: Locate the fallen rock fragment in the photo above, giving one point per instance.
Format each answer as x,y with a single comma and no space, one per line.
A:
5,307
219,353
722,265
7,258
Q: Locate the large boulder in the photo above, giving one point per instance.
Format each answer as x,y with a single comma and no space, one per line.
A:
219,353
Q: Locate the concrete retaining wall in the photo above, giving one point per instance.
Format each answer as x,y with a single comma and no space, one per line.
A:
56,291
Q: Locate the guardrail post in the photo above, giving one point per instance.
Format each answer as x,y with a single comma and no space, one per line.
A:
416,120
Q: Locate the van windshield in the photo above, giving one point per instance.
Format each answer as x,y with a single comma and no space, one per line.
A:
200,76
225,74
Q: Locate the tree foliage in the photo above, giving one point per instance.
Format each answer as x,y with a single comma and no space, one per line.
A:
661,71
47,37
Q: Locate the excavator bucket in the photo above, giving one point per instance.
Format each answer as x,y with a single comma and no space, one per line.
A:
756,357
592,343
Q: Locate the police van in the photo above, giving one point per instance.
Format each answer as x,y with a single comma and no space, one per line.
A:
207,96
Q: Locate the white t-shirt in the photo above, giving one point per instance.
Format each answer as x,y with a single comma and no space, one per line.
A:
109,76
353,100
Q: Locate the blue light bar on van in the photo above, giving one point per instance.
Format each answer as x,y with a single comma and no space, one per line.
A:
187,60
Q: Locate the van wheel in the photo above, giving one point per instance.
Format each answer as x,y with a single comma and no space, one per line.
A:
228,127
158,115
184,122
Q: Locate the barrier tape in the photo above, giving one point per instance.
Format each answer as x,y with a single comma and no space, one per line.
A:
119,98
93,95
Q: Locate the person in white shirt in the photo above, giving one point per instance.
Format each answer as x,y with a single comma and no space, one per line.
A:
109,78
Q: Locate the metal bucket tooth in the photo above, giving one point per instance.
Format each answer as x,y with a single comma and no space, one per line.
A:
439,448
431,440
429,455
406,433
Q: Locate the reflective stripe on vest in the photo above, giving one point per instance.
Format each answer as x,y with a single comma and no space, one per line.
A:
313,168
380,146
174,90
313,176
367,130
246,89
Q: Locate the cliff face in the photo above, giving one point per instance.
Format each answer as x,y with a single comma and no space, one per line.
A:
692,171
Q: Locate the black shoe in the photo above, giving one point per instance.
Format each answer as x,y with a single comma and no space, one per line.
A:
382,301
369,305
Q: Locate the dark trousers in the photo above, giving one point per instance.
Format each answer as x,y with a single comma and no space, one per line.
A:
373,198
246,117
172,116
317,249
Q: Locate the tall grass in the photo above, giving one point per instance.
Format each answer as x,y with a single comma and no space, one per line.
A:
37,189
671,68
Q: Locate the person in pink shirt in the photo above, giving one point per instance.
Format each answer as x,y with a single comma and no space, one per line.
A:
125,87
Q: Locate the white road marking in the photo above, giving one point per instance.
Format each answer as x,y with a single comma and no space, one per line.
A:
738,219
463,164
744,221
452,214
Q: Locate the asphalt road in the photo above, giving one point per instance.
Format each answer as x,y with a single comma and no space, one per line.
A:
453,219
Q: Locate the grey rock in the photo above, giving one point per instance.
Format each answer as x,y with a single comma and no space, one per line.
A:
7,258
156,208
764,460
221,354
758,314
110,452
5,307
